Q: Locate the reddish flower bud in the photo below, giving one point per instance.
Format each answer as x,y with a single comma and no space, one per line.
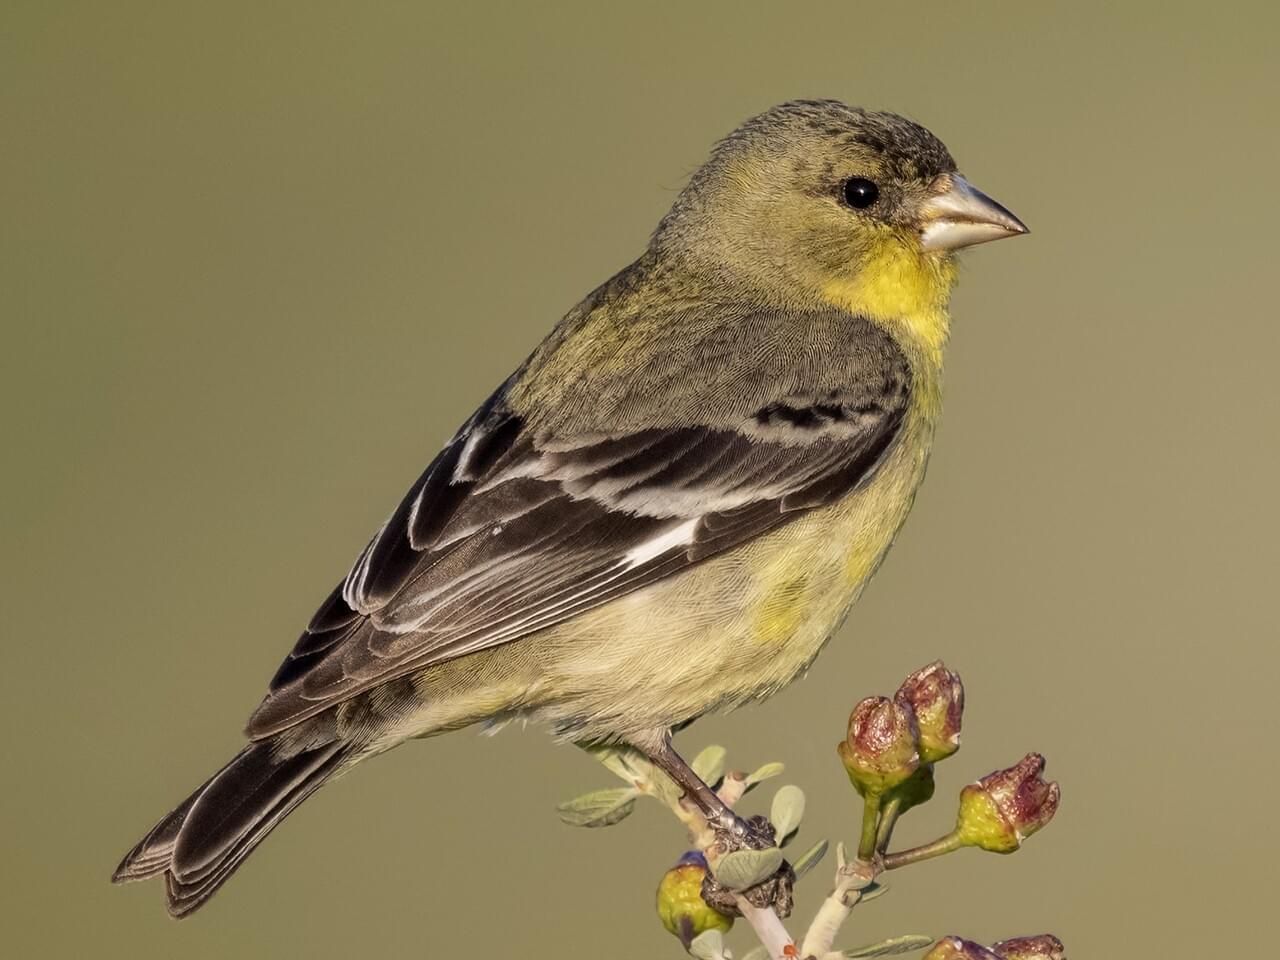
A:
680,905
882,748
954,948
937,697
1043,947
1005,807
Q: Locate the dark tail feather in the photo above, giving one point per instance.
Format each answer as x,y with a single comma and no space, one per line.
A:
154,851
201,843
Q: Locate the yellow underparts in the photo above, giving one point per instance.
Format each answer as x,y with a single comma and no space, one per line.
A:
903,288
782,609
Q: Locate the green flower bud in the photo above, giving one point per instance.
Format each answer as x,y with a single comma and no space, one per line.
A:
882,747
937,697
1043,947
954,948
915,790
680,905
1003,808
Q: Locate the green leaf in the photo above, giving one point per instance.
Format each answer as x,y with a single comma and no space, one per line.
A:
600,808
877,889
810,858
622,762
745,868
664,788
708,945
764,773
709,764
889,948
631,766
787,811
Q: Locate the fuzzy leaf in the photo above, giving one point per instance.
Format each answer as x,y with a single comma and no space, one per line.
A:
708,945
600,808
709,764
664,788
809,859
787,811
745,868
625,764
889,948
764,773
632,767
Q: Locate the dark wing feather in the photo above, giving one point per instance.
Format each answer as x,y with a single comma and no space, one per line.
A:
507,533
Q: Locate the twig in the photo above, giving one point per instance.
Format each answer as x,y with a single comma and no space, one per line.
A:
851,879
926,851
870,821
888,820
768,926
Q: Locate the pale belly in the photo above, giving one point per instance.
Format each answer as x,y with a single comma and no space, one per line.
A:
730,630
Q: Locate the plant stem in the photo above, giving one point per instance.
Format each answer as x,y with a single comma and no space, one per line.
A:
768,928
827,922
766,923
925,851
851,880
870,819
888,819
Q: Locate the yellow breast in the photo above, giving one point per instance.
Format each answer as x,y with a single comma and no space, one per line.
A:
907,292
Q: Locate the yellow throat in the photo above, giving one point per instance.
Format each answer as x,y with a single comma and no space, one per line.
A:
907,291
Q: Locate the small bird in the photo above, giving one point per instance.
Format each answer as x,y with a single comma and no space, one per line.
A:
666,510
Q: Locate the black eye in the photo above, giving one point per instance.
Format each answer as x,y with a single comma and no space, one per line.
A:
860,193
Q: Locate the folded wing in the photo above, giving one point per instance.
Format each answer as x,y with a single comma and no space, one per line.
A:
507,533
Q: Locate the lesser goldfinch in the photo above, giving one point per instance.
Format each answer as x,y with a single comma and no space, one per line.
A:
667,509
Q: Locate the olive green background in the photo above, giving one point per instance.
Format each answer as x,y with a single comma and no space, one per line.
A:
259,260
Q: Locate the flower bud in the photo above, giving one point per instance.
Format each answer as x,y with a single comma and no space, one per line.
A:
881,750
937,697
680,905
1003,808
953,948
1044,947
915,790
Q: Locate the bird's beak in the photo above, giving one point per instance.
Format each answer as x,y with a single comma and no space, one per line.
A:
961,215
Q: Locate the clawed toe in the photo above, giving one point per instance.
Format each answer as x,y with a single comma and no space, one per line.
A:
755,833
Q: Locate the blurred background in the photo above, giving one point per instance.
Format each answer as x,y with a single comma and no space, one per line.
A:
257,263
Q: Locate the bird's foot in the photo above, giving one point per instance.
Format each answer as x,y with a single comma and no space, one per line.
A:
754,833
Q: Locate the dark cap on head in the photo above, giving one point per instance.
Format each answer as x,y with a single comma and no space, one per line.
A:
907,150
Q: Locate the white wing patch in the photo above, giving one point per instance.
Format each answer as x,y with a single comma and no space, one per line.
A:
675,537
353,586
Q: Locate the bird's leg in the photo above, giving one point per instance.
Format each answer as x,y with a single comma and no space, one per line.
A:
732,831
720,817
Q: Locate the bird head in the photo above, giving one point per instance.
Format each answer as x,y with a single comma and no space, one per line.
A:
810,196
